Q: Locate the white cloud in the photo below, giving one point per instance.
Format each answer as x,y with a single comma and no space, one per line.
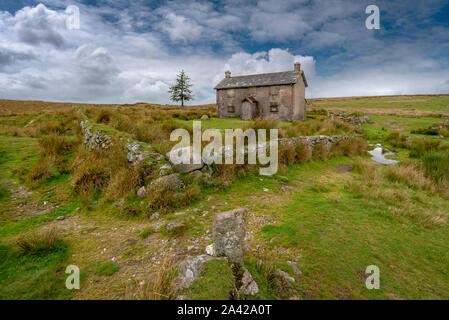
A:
40,25
180,28
274,60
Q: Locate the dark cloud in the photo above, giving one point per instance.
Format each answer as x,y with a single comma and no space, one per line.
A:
9,57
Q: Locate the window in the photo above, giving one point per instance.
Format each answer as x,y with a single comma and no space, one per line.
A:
274,107
231,109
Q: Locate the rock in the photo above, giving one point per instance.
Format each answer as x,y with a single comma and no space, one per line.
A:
180,213
142,192
195,175
42,212
60,218
207,178
171,182
210,250
119,204
154,216
94,140
285,276
249,286
343,116
184,167
165,169
294,265
190,269
204,117
181,297
229,234
172,226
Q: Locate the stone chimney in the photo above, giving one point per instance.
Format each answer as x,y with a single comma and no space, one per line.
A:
297,67
228,74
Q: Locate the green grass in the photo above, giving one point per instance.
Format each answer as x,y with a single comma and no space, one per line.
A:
16,153
222,124
382,125
340,233
106,268
12,228
336,230
33,276
215,282
146,232
424,103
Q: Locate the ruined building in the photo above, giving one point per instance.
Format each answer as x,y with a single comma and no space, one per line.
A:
278,95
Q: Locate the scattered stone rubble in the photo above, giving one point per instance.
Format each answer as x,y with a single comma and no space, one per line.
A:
313,141
136,151
171,182
346,117
94,140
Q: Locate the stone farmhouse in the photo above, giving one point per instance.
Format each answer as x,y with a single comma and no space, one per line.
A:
279,95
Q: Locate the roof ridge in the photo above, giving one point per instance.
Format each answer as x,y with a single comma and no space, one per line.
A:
261,74
262,79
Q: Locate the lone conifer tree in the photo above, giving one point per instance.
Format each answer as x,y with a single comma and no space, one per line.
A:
181,90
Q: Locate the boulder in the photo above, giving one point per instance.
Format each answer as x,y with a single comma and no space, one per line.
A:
249,286
154,216
229,234
190,269
172,226
195,175
142,192
165,169
204,117
171,182
284,275
210,250
184,167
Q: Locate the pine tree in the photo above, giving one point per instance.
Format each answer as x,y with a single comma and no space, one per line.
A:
181,90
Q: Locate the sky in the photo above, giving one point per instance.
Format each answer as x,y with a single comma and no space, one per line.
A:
131,51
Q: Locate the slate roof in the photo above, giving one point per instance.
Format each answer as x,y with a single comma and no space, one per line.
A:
261,80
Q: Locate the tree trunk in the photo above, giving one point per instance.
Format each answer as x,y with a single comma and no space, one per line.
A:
182,102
